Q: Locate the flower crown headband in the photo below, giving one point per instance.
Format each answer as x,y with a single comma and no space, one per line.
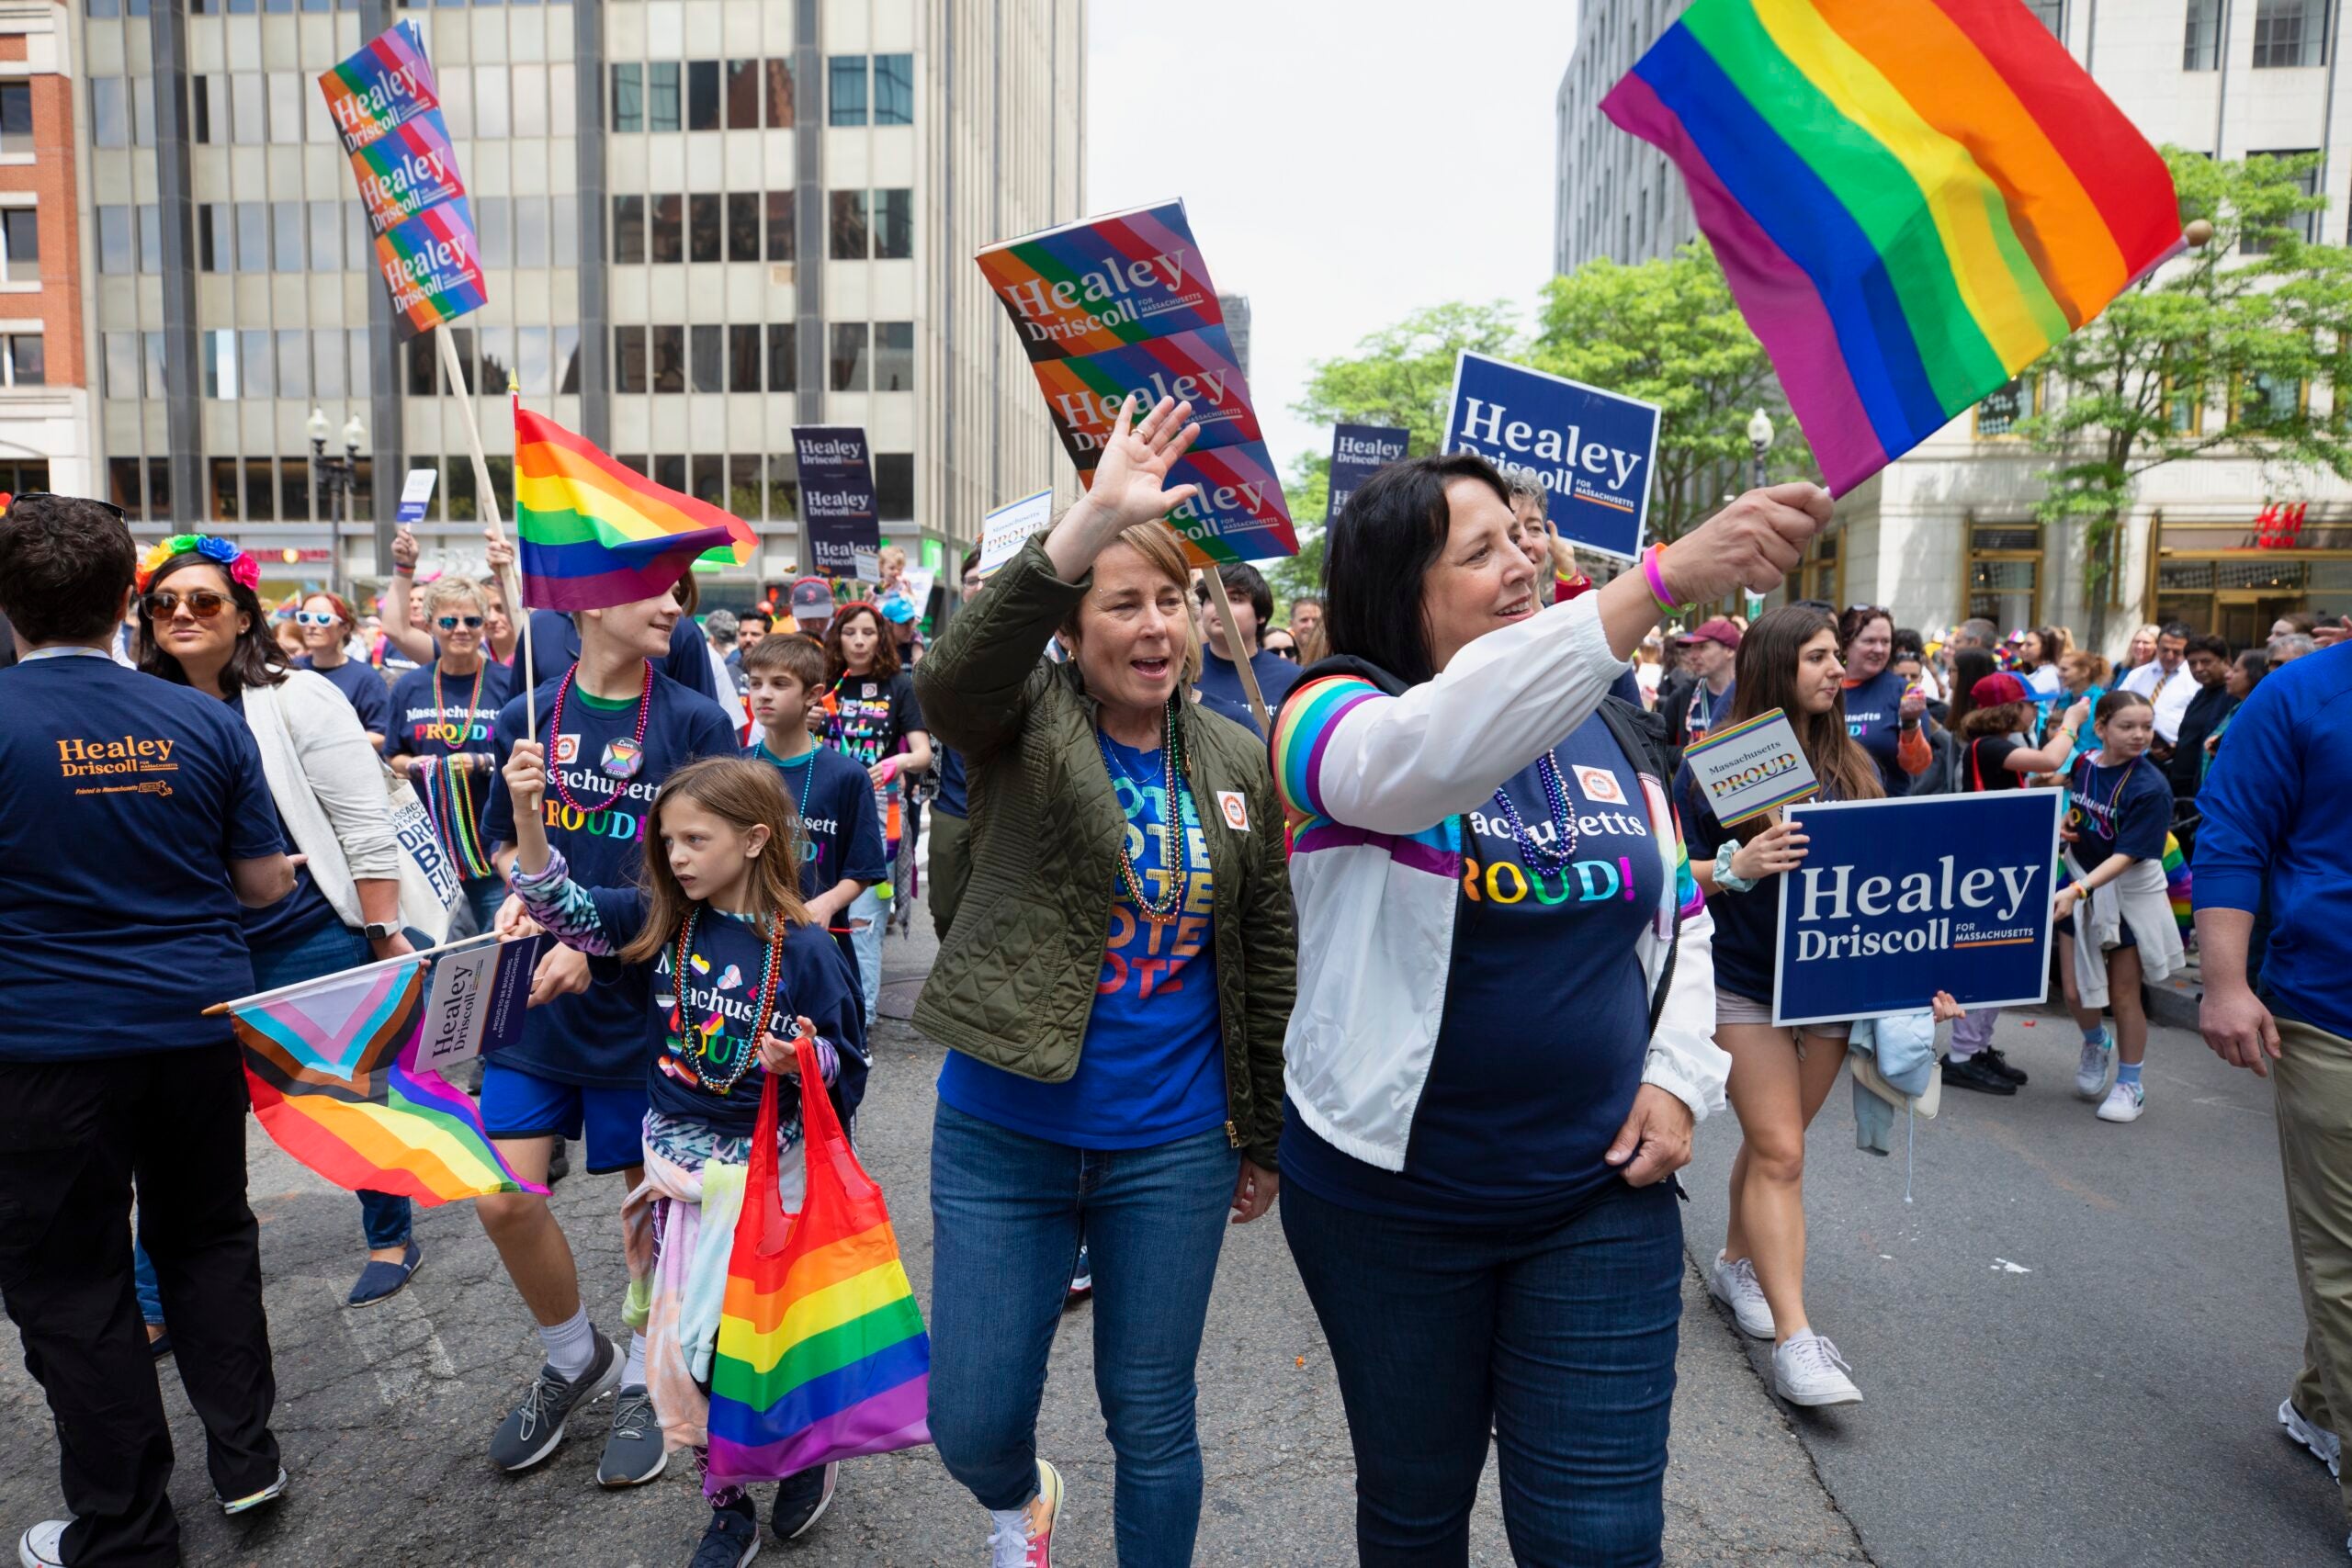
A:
242,568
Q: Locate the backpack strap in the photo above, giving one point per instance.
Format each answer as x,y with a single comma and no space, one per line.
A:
1642,736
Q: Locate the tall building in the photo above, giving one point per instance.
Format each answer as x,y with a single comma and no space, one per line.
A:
45,403
1235,310
1949,531
702,222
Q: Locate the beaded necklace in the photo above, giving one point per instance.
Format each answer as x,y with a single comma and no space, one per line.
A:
555,728
2123,777
449,803
1534,855
441,713
808,781
762,1001
1174,794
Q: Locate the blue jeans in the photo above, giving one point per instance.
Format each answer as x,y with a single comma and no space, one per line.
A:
1007,1211
1561,1334
874,910
477,907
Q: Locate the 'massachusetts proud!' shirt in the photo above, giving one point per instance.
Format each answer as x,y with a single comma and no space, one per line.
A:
602,781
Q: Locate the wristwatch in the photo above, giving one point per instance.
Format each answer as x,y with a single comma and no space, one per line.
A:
1729,880
380,930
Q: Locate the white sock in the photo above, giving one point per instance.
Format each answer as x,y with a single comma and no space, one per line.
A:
572,1345
633,1369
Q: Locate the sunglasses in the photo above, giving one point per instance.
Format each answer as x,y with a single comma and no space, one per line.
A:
202,603
318,618
451,623
120,515
1289,653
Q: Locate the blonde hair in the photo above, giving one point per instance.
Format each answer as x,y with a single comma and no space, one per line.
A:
1157,544
892,558
448,590
744,794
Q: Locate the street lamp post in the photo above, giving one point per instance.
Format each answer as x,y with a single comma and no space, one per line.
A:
339,477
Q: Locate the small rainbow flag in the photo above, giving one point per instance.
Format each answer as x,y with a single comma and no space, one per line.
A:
1912,199
593,534
332,1067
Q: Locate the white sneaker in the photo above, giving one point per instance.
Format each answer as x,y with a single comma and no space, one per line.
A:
2324,1444
41,1548
2124,1103
1024,1538
2090,1079
1809,1370
1734,1284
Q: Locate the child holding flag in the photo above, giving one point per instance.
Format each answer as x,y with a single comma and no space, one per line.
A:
717,935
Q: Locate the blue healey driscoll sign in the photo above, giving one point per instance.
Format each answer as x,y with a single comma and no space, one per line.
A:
1898,899
1593,450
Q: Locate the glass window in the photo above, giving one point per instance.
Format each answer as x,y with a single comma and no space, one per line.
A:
893,356
563,231
2200,39
458,479
669,472
122,364
326,236
661,104
253,236
894,224
215,250
783,359
743,226
563,102
628,359
497,358
423,367
494,226
326,364
295,496
286,103
2253,239
1999,412
151,368
894,486
293,363
209,108
2290,33
849,225
669,229
669,359
457,89
709,359
2051,13
742,94
109,116
531,366
710,480
530,114
784,486
845,89
629,228
151,237
530,230
628,98
286,220
114,240
461,339
2005,572
358,239
20,243
2265,400
363,361
779,216
779,94
567,361
245,99
744,487
256,365
122,484
893,89
490,102
744,359
847,339
142,111
224,491
702,95
159,490
703,240
16,116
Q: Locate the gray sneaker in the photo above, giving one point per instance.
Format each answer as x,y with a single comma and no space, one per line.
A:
534,1427
633,1453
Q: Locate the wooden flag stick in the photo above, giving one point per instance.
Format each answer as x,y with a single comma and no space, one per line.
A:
217,1008
486,498
1241,658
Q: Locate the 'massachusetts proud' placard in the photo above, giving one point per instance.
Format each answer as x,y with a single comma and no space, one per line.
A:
1746,770
1124,304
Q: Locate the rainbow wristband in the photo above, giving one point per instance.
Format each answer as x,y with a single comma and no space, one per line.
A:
1656,579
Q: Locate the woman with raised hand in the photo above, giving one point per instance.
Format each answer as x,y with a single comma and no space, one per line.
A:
1885,713
1505,993
1113,991
443,735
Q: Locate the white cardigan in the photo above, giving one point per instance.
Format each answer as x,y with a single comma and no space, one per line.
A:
328,783
1374,786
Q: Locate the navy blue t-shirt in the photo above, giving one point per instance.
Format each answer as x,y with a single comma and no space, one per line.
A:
1874,719
596,1036
1221,690
690,1052
2119,811
464,720
951,800
555,644
363,685
1151,1066
126,797
841,829
304,912
1547,1020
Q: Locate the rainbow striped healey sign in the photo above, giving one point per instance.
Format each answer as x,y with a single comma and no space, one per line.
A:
1124,304
332,1067
1912,199
406,171
822,1353
382,88
593,534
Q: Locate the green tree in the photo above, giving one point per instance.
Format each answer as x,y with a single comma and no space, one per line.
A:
2219,352
1668,331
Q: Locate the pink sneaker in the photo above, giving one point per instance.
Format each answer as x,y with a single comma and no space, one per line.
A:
1024,1538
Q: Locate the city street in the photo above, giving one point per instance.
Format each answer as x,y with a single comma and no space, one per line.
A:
2111,1406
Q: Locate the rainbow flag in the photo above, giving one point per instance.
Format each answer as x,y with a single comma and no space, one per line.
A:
593,534
1912,199
332,1067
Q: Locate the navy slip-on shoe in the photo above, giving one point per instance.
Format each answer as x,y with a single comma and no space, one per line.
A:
380,1281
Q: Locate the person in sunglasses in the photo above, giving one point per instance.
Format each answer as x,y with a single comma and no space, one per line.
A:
444,733
326,621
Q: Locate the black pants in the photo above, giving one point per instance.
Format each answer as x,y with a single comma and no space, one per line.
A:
74,1138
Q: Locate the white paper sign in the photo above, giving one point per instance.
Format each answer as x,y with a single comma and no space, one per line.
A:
865,565
917,582
1005,530
475,1001
1750,768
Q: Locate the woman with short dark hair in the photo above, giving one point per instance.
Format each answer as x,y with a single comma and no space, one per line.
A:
1885,713
1500,1045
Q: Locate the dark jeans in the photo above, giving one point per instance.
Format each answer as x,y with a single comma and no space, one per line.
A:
74,1136
1562,1334
1007,1211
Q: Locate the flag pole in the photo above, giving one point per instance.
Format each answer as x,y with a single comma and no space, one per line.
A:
217,1008
1233,644
486,498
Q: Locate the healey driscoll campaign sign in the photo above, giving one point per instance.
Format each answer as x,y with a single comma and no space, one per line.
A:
1898,899
1593,450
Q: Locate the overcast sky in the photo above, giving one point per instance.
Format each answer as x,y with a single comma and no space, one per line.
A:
1343,161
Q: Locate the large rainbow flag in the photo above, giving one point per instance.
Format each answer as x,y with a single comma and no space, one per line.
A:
593,534
1912,199
332,1067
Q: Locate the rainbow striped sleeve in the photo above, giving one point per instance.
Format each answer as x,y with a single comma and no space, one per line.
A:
1304,732
1685,885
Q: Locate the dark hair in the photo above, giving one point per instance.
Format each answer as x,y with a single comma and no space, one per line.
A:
744,618
1766,676
1855,620
794,655
1298,599
2116,702
1379,549
971,563
2303,621
1908,640
2256,662
1242,580
2217,646
2055,643
1969,665
886,646
256,660
2175,629
65,567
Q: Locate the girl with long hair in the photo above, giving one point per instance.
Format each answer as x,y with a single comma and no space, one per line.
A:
734,969
871,714
1780,1077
